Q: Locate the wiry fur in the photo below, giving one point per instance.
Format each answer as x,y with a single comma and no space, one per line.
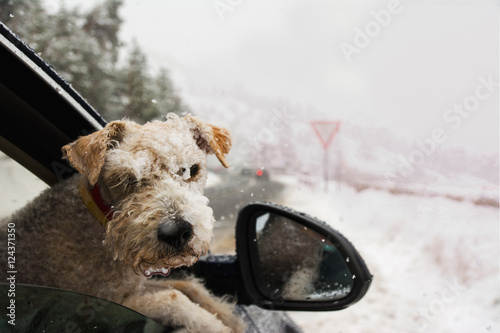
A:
151,174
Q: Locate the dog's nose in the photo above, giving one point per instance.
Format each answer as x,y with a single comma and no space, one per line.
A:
176,233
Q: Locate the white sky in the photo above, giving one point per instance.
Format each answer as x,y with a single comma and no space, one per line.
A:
426,59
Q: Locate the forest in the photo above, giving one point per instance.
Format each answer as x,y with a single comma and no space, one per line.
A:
84,47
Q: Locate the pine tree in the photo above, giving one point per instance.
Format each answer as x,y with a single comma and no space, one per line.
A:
84,48
139,96
165,96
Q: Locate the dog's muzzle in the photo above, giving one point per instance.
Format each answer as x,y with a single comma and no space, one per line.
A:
176,233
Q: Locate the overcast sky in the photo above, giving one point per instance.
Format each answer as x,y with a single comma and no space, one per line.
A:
423,57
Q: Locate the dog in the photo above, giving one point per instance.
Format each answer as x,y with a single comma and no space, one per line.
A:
134,209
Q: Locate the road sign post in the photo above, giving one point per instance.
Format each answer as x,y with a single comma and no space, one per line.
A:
325,131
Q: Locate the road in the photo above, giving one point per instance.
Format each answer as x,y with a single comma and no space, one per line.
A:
228,198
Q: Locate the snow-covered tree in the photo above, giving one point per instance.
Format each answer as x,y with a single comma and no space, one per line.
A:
83,47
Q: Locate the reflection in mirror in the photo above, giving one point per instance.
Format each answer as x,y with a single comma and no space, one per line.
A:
298,263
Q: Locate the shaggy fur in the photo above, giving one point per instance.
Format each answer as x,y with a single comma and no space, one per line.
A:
152,175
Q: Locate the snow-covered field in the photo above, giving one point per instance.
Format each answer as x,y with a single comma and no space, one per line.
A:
435,261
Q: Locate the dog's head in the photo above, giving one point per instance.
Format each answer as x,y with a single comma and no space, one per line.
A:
153,176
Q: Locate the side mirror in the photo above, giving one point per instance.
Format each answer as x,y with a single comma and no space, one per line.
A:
291,261
286,260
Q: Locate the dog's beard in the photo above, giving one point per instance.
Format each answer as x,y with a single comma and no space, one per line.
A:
152,262
132,233
141,249
137,244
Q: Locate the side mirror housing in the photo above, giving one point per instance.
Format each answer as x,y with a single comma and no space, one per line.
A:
291,261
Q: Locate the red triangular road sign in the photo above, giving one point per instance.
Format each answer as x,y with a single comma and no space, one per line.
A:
325,130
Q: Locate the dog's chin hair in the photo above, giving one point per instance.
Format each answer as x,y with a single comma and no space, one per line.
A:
163,257
140,247
141,264
140,258
128,244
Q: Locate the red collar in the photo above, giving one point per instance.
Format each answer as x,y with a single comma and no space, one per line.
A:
105,208
91,196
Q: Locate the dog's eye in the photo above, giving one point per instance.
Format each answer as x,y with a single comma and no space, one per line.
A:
128,181
193,171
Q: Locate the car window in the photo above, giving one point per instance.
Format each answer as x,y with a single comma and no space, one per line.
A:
19,186
41,309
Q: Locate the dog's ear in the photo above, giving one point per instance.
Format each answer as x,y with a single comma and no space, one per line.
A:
210,138
87,153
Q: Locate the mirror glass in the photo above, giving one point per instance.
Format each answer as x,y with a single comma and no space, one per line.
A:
298,263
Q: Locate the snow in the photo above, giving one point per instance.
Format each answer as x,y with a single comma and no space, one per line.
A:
435,261
19,186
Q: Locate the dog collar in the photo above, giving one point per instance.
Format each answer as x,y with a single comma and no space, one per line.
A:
91,196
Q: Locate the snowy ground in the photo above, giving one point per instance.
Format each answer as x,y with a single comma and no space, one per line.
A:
18,186
435,261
